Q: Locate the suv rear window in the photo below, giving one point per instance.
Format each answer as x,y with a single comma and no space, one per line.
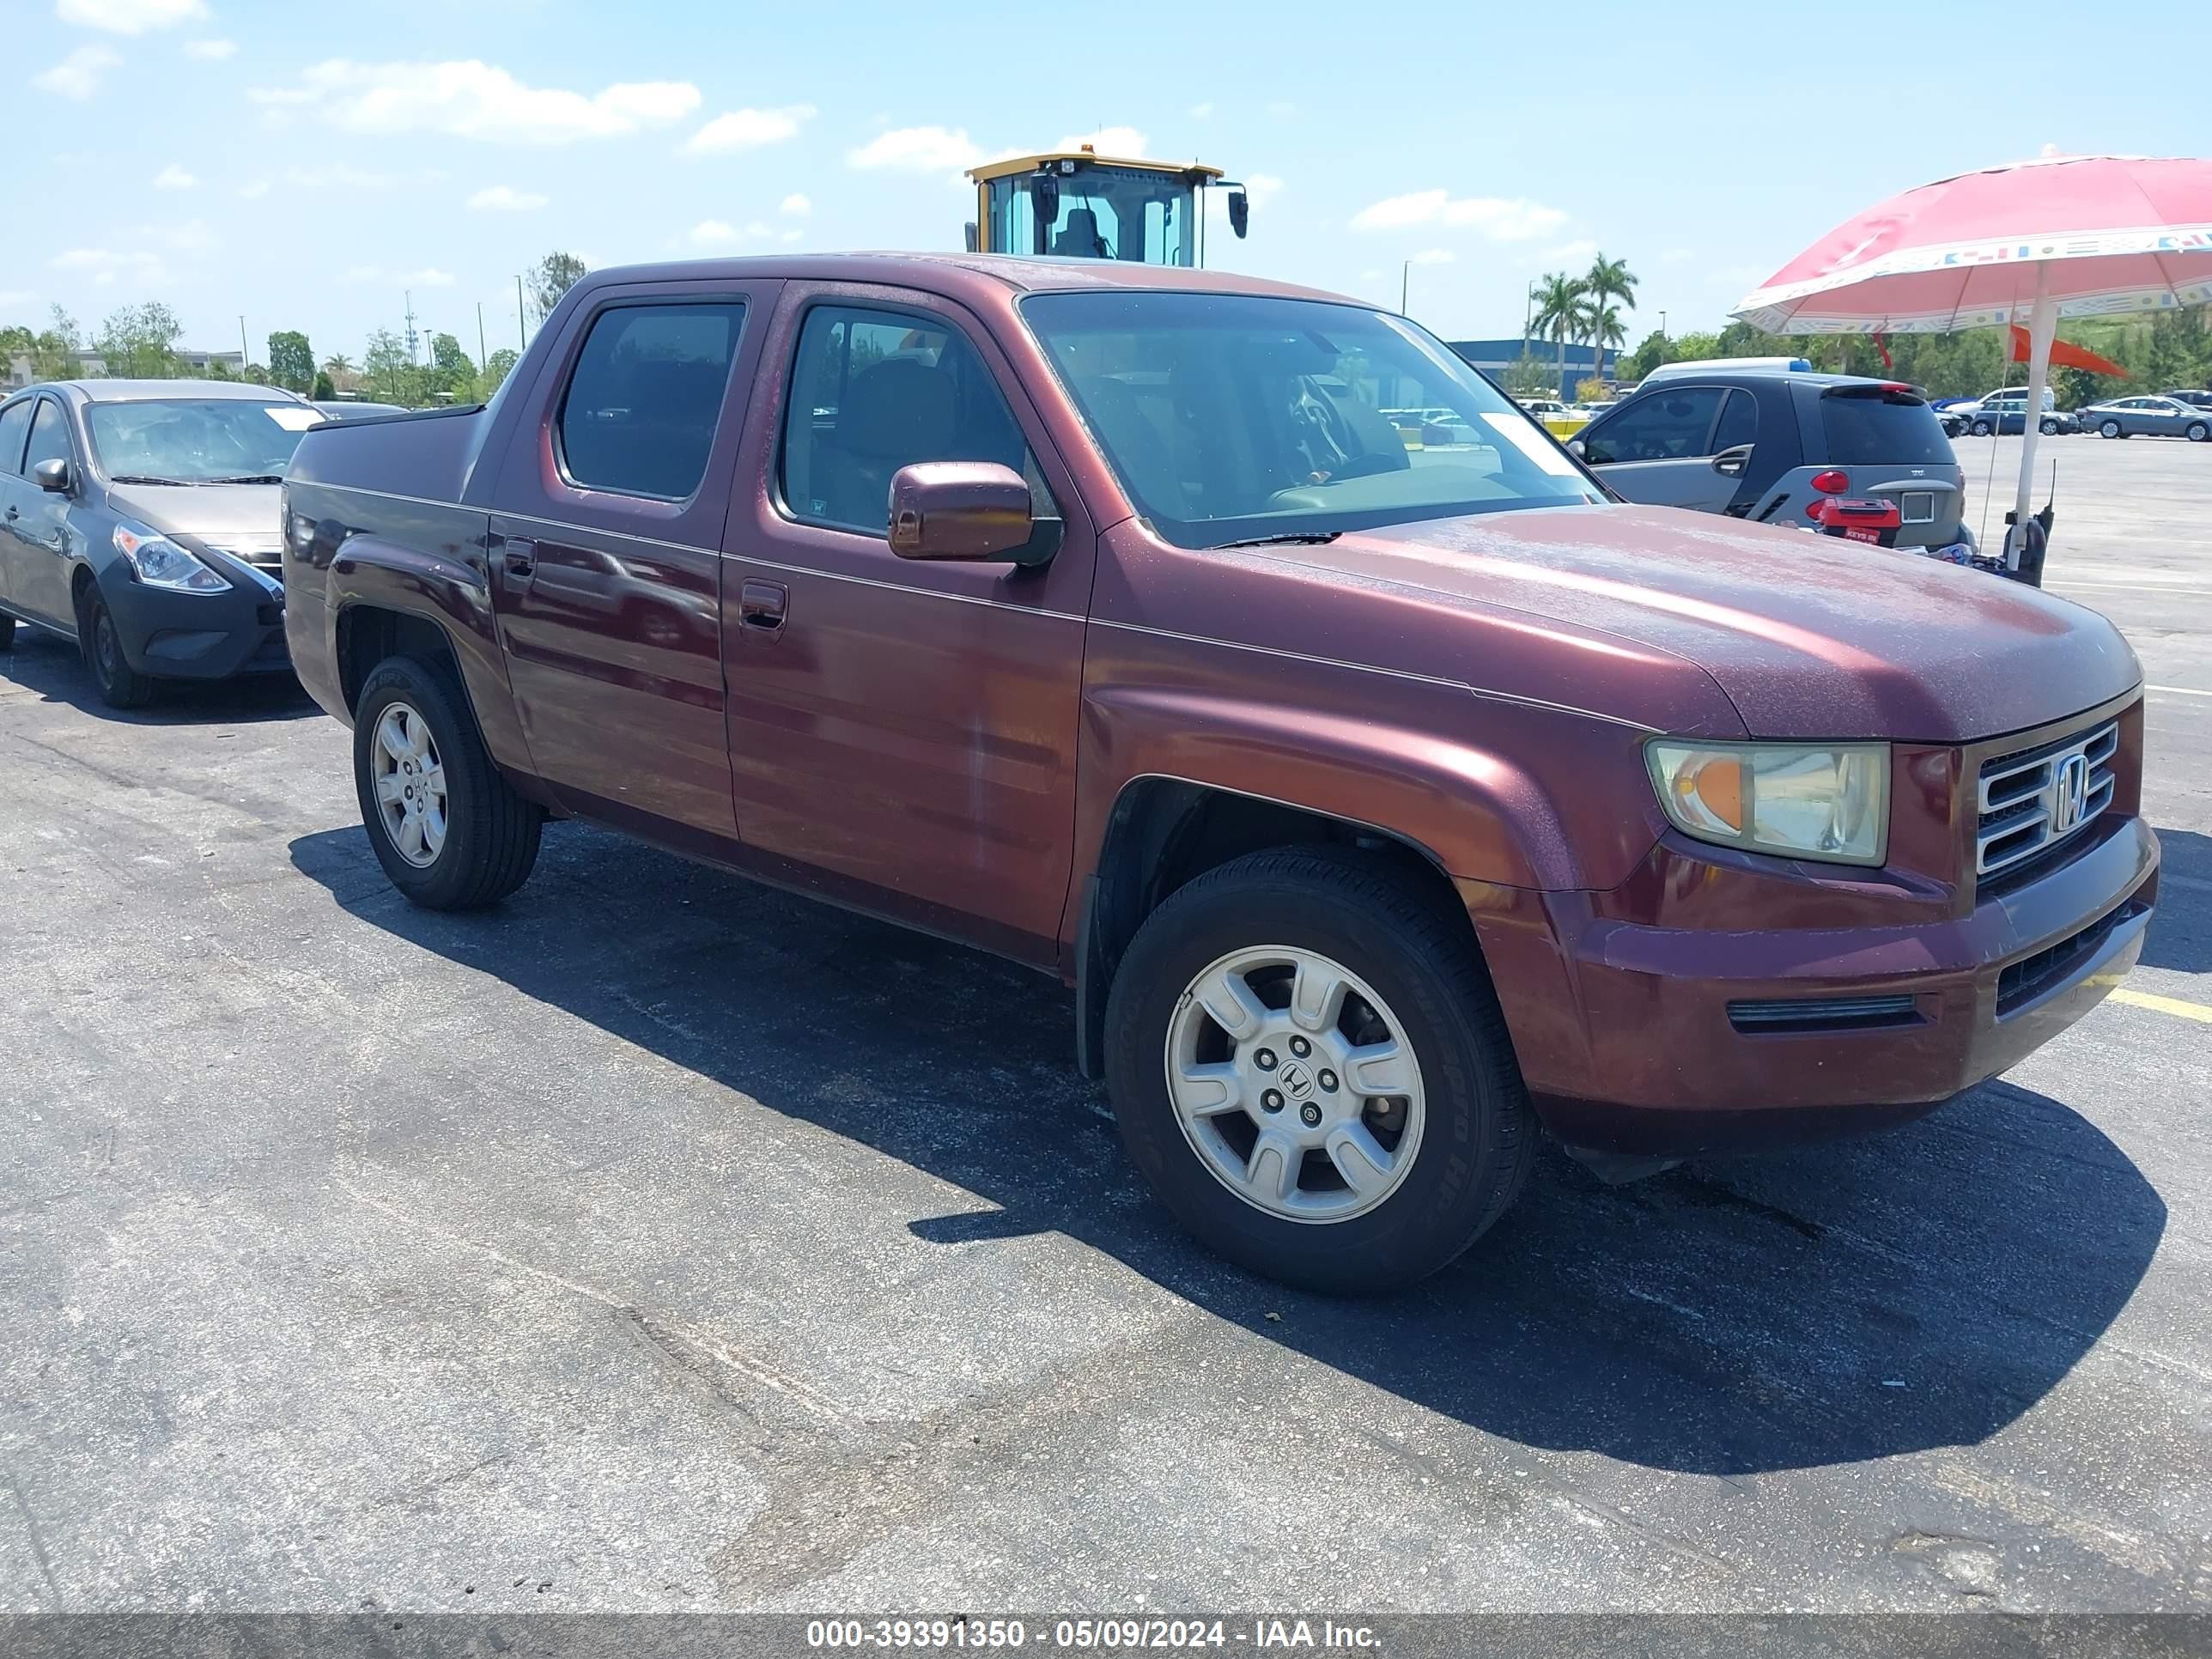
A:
1871,426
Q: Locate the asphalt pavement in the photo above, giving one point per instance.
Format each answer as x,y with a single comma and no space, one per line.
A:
660,1242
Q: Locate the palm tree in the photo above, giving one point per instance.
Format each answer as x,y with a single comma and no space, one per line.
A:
336,364
1602,327
1609,280
1558,311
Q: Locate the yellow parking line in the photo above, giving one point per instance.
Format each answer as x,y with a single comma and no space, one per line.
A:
2196,1010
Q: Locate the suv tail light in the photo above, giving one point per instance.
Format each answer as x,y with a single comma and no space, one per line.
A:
1831,482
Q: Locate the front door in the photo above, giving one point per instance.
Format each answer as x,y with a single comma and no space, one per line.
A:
1661,448
39,546
605,556
901,734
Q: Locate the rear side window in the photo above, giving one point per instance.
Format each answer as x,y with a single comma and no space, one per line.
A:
1739,421
1664,426
874,390
14,424
642,402
1872,426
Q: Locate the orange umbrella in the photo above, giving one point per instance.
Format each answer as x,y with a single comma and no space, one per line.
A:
2064,355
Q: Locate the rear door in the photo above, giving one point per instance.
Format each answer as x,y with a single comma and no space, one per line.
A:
1660,446
15,427
606,529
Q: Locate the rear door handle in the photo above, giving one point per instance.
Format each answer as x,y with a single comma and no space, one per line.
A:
761,607
520,556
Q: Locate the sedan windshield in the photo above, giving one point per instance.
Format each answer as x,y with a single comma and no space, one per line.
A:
196,441
1240,417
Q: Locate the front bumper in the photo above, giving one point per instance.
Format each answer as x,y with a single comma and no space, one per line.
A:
1684,1040
201,636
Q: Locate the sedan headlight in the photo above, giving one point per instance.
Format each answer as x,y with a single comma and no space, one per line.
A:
158,561
1801,800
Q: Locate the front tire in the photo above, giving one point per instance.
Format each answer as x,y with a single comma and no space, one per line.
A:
1309,1065
121,686
2050,429
450,831
2111,429
2198,432
1981,428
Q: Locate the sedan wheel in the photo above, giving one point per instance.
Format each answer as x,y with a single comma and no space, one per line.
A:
1981,428
411,785
1295,1084
2051,428
2110,429
2198,432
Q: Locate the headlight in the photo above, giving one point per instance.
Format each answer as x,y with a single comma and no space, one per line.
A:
1802,800
158,561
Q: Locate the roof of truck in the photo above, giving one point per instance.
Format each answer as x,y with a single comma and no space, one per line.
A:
949,271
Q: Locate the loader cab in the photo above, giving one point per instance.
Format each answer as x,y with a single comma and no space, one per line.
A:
1077,204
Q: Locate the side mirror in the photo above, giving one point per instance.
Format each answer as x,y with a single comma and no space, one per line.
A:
975,511
1044,202
55,476
1575,448
1240,213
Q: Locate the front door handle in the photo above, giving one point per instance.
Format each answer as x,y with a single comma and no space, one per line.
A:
761,607
520,556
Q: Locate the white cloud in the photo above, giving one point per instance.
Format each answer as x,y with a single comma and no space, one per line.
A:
1201,112
505,198
431,277
210,51
258,187
795,206
174,177
78,75
1675,256
475,100
1107,140
339,176
720,233
1434,256
130,16
792,235
748,129
1498,218
17,296
1572,254
1260,187
919,149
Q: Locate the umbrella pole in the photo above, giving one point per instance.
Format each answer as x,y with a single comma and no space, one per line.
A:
2042,326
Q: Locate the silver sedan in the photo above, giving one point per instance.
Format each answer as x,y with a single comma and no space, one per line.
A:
2162,417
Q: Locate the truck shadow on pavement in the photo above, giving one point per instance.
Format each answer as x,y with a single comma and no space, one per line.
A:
1860,1300
2180,935
50,665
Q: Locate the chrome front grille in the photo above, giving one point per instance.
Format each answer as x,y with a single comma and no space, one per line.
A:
2035,799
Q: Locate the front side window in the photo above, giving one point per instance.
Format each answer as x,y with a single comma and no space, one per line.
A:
1230,417
1667,426
194,440
646,395
874,390
14,426
49,436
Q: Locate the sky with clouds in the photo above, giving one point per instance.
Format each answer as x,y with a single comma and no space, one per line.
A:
307,165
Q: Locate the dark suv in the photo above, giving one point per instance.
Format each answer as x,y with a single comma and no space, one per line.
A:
1769,444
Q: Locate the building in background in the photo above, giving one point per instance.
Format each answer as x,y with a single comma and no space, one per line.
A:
91,366
1495,357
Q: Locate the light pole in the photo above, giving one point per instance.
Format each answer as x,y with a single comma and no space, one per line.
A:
481,353
245,351
1404,282
521,325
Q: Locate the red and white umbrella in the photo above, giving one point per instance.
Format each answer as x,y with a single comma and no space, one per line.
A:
2034,241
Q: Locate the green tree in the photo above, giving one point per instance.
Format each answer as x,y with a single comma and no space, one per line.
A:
1559,313
1601,328
390,375
16,342
1653,349
450,371
324,391
1528,376
291,361
551,278
54,354
493,375
141,340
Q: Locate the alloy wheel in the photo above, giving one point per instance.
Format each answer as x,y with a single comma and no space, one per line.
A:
411,785
2110,429
1295,1084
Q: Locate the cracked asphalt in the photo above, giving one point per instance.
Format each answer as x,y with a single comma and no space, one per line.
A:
660,1242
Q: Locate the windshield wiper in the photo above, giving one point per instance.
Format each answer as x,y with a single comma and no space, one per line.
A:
134,477
252,478
1293,539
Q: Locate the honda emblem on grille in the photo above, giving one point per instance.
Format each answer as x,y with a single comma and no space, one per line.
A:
2069,793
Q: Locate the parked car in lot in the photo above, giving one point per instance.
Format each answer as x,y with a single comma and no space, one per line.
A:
2005,410
138,518
2148,416
1769,444
2202,399
1379,806
341,408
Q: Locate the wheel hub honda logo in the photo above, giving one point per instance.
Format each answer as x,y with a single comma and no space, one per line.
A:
1298,1082
2069,793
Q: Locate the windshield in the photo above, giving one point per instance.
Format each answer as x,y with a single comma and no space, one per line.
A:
1105,213
196,441
1231,417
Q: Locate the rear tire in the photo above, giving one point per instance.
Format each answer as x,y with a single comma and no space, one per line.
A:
2198,432
480,842
2111,429
1416,1017
2050,429
7,633
1981,428
121,686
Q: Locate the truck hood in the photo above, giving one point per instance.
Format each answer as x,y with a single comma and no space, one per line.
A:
1809,636
220,514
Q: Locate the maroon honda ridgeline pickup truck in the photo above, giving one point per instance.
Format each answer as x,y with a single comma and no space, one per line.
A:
1383,789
